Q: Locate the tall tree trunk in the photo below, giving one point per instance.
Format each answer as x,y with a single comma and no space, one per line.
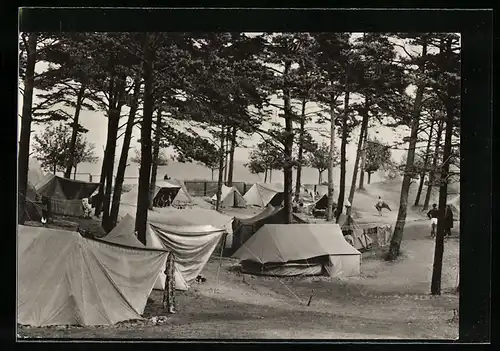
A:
432,174
114,117
288,166
270,175
369,177
222,151
231,157
265,176
426,161
320,177
146,157
122,163
343,145
397,236
107,161
156,154
443,194
301,150
54,169
226,154
24,139
212,174
364,125
363,161
74,174
74,133
331,160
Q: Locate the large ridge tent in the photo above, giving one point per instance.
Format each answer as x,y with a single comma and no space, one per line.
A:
66,194
299,249
66,279
230,197
244,228
263,194
192,246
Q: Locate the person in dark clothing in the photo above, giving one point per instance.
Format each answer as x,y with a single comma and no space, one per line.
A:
448,220
433,215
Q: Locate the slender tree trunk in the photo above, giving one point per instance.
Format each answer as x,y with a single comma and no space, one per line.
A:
24,139
226,154
54,170
364,125
343,145
106,162
331,160
320,177
426,161
74,174
212,174
397,236
363,161
222,151
122,163
270,175
369,177
288,166
114,117
74,133
443,193
231,157
156,154
432,174
147,121
301,150
265,176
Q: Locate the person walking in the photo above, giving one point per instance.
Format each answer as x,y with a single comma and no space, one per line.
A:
433,215
448,221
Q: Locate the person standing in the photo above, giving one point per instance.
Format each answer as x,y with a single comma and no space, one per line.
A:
433,215
448,221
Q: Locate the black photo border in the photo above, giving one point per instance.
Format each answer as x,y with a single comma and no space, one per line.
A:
476,29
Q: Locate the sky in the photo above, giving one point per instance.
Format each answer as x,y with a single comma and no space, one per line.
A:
96,123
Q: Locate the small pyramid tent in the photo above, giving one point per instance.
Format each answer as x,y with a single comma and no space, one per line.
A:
299,249
85,281
182,196
191,245
230,197
263,194
162,188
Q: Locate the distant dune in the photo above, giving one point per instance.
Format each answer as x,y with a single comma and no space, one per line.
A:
194,171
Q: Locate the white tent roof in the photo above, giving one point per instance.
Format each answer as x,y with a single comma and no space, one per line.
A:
260,194
290,242
66,279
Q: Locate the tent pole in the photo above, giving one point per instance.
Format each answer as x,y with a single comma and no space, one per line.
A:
220,256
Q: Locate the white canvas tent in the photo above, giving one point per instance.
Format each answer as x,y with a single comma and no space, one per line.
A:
66,279
230,197
191,245
263,194
299,249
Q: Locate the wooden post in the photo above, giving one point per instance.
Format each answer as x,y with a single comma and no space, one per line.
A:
220,256
169,289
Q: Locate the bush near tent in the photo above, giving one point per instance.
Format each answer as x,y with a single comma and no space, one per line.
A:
66,279
244,228
192,246
299,250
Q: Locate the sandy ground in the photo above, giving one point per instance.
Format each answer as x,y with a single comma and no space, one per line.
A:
388,300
